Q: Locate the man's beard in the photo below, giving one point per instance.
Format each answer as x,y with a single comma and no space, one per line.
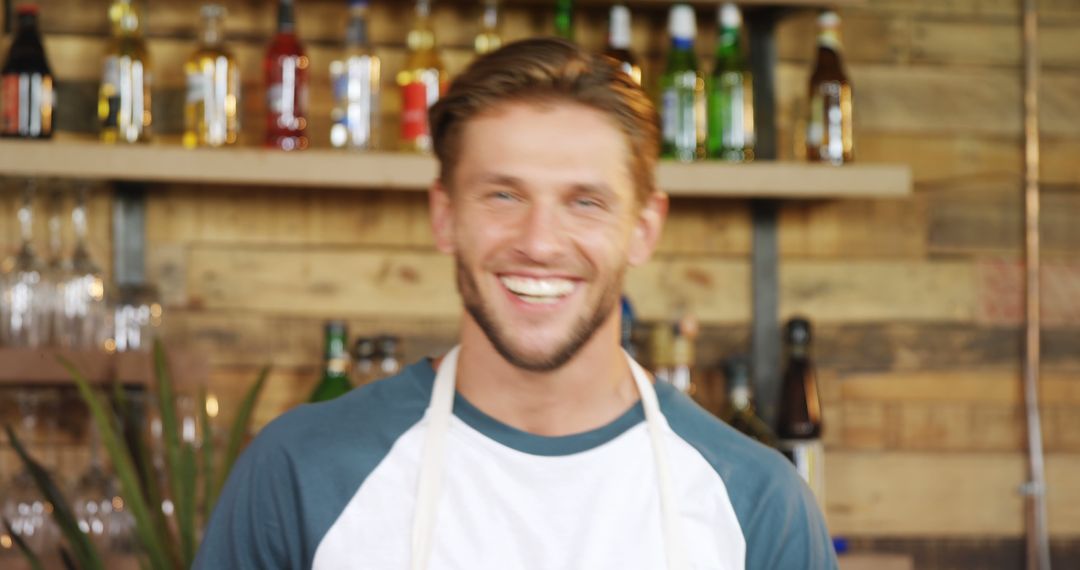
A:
582,331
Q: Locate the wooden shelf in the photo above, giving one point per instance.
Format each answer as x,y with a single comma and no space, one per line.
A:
407,172
41,367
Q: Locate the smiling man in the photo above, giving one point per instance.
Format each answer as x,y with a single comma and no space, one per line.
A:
536,443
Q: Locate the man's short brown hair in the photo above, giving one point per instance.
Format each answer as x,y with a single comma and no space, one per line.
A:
548,70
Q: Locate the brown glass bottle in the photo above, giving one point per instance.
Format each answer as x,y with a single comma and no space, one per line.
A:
800,407
26,82
829,127
618,46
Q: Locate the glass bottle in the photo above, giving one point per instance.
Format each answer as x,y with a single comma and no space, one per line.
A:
422,81
363,361
682,91
618,46
285,68
800,422
211,110
26,82
829,127
355,82
124,98
387,357
488,40
564,19
730,94
739,411
335,378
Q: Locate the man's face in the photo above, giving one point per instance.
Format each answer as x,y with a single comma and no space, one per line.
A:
543,223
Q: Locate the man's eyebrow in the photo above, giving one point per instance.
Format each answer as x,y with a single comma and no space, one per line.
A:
597,189
497,179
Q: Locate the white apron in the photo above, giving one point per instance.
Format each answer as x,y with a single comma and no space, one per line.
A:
439,413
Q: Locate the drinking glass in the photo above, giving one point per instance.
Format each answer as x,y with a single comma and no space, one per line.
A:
80,317
24,292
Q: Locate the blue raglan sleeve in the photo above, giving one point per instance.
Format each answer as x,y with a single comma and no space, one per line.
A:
784,528
254,524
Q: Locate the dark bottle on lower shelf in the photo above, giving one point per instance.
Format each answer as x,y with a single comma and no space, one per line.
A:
26,82
335,378
800,421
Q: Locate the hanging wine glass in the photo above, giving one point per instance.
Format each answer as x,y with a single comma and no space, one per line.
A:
137,316
27,511
80,318
24,307
57,268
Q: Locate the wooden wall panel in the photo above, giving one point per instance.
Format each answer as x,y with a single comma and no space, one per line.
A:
939,494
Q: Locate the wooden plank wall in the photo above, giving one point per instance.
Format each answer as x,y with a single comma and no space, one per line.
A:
917,302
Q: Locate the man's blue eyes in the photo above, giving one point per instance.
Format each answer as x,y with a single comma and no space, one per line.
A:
579,202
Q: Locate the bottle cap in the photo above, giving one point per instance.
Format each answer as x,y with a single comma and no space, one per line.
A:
387,346
336,328
797,331
364,348
27,10
620,27
730,16
682,23
828,19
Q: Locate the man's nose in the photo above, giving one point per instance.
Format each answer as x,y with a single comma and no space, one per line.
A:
542,233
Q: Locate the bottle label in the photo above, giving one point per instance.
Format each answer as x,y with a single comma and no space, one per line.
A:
110,92
9,103
417,96
197,87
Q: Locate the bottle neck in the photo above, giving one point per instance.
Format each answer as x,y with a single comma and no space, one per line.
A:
357,33
336,361
564,19
422,37
798,352
727,45
619,31
682,44
490,20
126,20
829,38
286,23
213,32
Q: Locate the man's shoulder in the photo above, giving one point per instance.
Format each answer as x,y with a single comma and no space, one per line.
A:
739,460
374,414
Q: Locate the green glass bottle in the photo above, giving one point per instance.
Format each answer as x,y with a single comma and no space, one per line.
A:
739,410
730,94
682,91
564,19
335,379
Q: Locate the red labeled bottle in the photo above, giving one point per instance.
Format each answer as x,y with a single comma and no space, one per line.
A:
26,82
286,71
422,81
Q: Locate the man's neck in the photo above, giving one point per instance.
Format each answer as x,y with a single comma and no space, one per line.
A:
591,390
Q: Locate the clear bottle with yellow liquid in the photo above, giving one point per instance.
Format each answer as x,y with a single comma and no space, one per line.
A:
124,97
488,40
422,81
211,116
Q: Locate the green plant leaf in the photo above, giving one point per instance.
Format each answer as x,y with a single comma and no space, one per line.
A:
88,556
31,558
241,425
170,434
185,502
152,541
208,478
65,557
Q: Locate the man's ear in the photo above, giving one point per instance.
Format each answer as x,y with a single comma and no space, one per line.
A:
441,211
647,228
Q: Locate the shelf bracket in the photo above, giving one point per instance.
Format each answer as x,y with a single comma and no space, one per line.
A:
129,234
765,350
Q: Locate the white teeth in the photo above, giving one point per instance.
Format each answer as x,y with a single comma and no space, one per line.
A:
531,290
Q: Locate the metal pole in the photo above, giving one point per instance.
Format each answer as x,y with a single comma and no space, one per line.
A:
1038,545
